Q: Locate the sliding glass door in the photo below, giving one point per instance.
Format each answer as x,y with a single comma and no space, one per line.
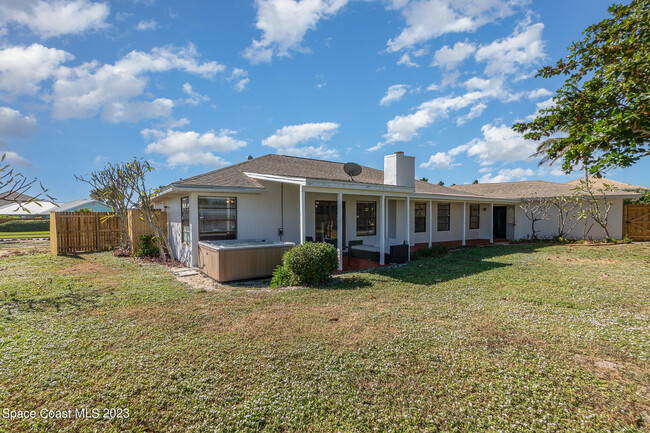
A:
325,222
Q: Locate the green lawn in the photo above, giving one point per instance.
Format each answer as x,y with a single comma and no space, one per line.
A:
24,235
503,338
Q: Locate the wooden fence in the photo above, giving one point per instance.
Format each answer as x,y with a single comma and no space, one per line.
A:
636,221
74,232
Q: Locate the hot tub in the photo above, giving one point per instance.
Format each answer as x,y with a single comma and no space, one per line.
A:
241,259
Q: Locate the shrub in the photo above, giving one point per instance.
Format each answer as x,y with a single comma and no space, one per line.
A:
434,251
308,264
121,252
148,247
26,226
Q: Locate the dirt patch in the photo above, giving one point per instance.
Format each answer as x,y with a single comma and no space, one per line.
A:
12,252
92,269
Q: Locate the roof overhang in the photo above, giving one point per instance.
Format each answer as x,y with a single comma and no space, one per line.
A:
180,189
332,184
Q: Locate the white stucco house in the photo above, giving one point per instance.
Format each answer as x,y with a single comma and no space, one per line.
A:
290,199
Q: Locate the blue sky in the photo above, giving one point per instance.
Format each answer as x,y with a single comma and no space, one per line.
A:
196,85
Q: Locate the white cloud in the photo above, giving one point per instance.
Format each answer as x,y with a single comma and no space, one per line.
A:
14,158
240,78
474,112
449,57
539,93
190,147
195,98
501,143
287,139
405,128
85,90
507,175
547,103
440,160
284,24
145,25
426,19
406,61
23,69
55,18
14,124
394,93
523,48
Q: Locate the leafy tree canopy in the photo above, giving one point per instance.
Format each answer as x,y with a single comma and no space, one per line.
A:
601,116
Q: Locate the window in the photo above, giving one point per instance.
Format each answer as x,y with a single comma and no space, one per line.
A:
420,217
217,218
185,219
444,211
474,216
366,218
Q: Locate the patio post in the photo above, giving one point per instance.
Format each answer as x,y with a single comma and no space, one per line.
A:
430,210
339,228
407,209
302,214
464,221
491,223
382,229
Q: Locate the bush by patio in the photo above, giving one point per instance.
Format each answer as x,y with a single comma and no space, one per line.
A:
308,264
148,247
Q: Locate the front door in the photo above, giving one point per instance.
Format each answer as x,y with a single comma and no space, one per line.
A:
500,222
325,223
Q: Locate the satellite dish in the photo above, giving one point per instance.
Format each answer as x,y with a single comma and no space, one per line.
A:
352,169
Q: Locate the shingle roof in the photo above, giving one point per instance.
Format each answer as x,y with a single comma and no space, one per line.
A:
531,188
13,197
600,183
291,166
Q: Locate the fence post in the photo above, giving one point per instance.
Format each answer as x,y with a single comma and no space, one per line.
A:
53,237
97,232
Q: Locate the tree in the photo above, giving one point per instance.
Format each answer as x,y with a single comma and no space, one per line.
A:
535,209
601,115
475,182
597,205
441,183
112,186
424,179
567,213
138,170
14,185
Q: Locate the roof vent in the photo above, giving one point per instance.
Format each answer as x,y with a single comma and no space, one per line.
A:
249,157
352,169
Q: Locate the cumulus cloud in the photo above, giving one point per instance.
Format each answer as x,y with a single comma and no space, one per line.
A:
427,19
474,112
145,25
394,93
240,79
440,160
184,148
547,103
14,124
507,175
287,139
505,56
55,18
450,57
194,98
405,128
14,158
85,90
23,69
284,24
501,143
539,93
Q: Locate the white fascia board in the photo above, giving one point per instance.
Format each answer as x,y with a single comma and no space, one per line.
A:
358,187
174,190
462,198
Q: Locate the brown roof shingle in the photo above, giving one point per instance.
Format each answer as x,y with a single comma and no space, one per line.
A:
291,166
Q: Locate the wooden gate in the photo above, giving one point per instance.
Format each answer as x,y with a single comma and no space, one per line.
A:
636,221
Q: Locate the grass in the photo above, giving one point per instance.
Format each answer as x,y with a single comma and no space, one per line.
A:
503,338
24,235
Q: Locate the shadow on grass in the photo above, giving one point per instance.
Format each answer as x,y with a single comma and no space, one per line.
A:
71,300
347,282
456,264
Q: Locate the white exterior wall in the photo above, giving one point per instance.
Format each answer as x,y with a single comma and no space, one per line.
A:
548,228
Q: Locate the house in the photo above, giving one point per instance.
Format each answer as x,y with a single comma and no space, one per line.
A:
283,198
43,208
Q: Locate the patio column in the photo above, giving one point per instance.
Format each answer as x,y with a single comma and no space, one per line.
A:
339,228
464,221
430,210
407,209
382,229
302,215
491,223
